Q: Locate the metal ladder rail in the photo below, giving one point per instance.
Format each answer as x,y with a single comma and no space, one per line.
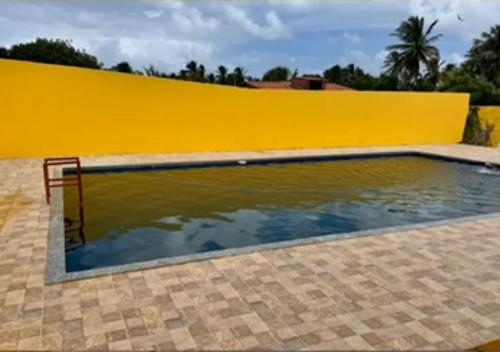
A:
63,181
66,181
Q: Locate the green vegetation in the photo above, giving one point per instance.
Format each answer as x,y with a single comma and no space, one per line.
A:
279,73
413,63
481,91
60,52
123,67
415,50
484,56
221,75
473,133
350,76
152,71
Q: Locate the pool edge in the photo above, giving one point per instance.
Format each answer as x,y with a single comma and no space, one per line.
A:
56,264
268,160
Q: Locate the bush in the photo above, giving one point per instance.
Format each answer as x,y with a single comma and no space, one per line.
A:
482,92
474,134
59,52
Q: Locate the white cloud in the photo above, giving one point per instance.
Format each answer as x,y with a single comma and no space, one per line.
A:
259,34
369,63
381,55
273,30
166,54
153,13
192,20
454,58
346,38
342,15
476,15
353,38
170,5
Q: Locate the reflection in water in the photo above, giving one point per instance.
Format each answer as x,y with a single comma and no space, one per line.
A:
72,226
490,170
137,216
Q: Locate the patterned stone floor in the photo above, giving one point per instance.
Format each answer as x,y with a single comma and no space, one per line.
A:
431,289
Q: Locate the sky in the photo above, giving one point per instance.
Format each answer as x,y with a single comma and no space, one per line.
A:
301,34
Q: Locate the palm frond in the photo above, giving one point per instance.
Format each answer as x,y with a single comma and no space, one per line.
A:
431,27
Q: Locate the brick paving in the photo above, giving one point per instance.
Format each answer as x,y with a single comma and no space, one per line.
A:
431,289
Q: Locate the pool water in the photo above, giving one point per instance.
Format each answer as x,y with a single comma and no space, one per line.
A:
137,216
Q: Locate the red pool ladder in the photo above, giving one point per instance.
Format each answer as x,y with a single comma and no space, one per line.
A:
63,181
67,181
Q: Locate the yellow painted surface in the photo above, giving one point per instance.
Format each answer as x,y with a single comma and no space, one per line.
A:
51,110
490,116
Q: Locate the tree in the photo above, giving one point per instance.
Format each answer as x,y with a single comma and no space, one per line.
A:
414,52
333,74
211,78
60,52
4,53
152,71
484,56
350,76
386,83
449,68
392,63
122,67
192,67
432,76
183,75
192,72
237,77
199,74
221,75
481,91
276,74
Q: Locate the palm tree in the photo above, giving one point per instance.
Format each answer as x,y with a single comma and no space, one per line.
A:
200,74
433,75
393,64
484,56
415,50
222,74
152,71
239,76
192,67
191,70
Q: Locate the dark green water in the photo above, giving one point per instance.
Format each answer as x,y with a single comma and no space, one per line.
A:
139,216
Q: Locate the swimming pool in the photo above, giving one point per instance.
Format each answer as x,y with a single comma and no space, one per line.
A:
141,214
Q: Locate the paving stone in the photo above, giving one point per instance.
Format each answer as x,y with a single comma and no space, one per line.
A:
428,289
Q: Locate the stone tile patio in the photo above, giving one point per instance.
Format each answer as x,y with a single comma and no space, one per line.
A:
431,289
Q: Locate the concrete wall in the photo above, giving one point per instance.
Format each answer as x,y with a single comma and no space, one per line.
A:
490,116
51,110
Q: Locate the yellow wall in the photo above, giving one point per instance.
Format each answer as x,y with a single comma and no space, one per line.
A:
490,116
51,110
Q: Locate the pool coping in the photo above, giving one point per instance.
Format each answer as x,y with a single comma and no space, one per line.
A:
56,257
268,160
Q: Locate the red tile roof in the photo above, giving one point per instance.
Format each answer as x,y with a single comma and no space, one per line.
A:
269,85
333,86
287,85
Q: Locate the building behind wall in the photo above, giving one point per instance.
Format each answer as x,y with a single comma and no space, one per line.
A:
300,83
